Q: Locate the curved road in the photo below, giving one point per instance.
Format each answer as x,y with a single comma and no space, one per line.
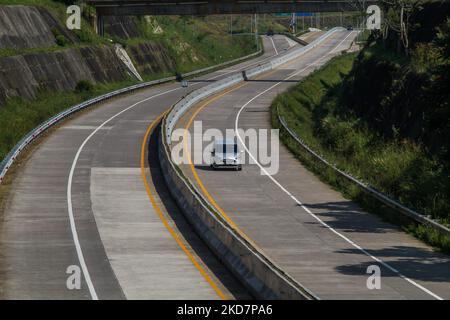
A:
321,239
90,199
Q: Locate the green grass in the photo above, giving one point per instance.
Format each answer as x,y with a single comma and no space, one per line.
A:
192,44
397,167
7,52
85,36
20,116
195,43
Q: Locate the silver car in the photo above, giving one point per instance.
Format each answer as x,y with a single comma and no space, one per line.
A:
226,154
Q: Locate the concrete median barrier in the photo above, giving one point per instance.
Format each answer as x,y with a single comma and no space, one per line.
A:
257,273
263,278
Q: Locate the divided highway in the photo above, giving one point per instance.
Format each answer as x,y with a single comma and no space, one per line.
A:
91,196
319,238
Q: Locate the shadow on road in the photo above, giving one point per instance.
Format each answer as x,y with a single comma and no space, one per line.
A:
205,167
413,262
349,217
272,80
183,226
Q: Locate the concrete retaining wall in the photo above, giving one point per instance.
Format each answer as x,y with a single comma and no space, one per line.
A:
24,27
25,75
151,57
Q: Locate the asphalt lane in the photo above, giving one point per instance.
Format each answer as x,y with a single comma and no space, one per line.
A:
321,239
127,250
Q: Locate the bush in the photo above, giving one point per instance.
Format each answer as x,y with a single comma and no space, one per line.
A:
84,86
84,35
399,166
61,40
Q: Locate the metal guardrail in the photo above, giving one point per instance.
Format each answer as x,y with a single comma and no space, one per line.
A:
367,188
293,38
10,158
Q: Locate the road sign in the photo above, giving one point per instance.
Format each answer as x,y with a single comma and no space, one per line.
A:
304,14
297,14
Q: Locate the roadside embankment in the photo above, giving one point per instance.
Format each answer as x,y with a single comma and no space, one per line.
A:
45,68
399,168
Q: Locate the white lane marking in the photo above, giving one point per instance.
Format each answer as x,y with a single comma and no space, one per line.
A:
273,45
81,127
291,42
301,204
69,193
73,227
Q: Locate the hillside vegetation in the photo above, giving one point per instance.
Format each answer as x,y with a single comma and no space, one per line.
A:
158,46
384,116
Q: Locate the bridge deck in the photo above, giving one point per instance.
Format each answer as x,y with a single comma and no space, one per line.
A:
186,7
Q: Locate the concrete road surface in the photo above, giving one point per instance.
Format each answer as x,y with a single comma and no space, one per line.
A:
90,200
311,36
321,239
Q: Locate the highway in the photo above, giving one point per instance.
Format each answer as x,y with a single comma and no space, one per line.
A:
90,195
312,232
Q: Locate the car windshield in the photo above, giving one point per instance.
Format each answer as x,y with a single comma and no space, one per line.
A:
227,148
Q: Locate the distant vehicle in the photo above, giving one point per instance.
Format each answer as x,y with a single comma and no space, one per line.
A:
349,28
226,154
184,83
269,32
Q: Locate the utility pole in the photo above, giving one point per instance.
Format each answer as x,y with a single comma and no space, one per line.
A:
231,24
293,23
256,31
296,25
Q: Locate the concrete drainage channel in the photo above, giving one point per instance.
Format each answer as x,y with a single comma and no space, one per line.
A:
262,277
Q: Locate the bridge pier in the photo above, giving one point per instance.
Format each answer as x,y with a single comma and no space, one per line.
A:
98,23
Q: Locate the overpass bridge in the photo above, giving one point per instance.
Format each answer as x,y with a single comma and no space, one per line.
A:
205,7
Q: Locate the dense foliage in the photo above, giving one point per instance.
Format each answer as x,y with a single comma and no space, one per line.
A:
384,116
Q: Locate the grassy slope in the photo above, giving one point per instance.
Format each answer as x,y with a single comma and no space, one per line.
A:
206,41
195,42
395,167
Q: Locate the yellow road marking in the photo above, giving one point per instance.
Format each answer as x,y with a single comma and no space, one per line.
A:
188,154
194,171
163,218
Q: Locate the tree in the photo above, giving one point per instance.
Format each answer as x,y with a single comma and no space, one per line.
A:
398,19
